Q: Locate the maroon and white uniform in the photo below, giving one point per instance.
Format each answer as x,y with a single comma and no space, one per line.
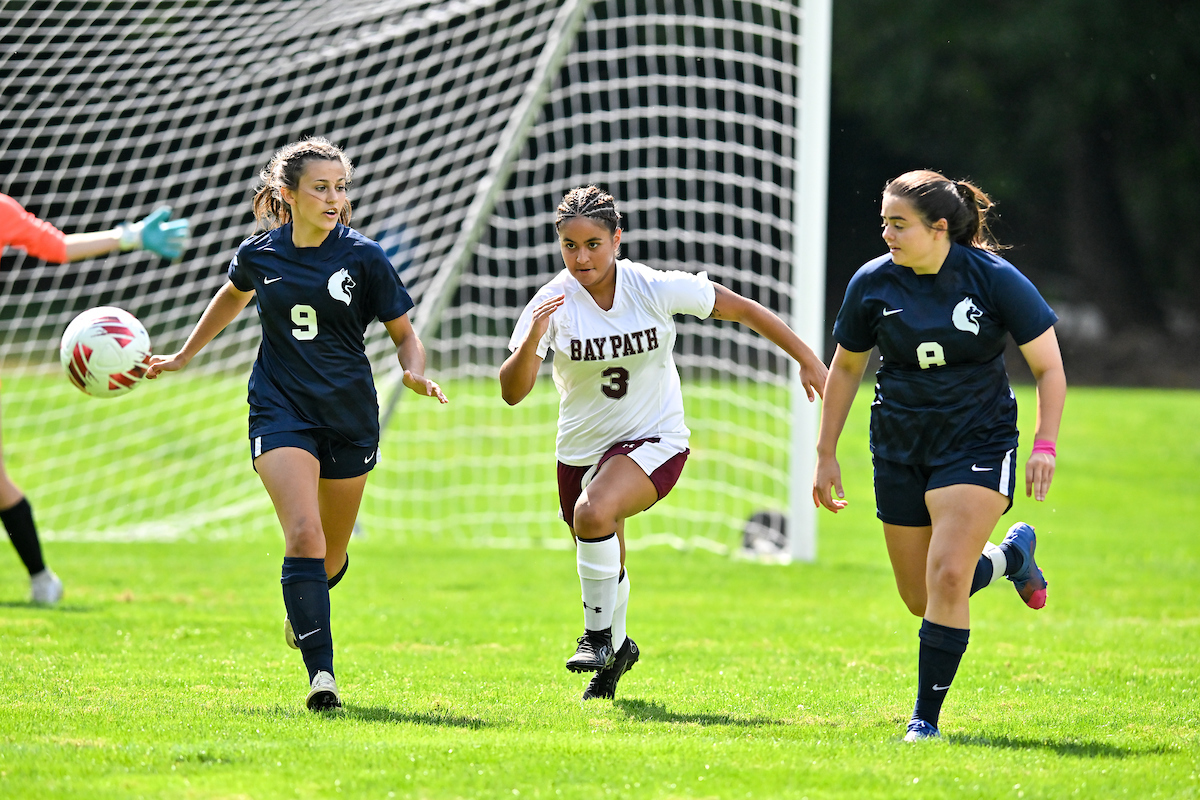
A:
614,370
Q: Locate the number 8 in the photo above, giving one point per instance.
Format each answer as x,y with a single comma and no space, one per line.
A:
930,354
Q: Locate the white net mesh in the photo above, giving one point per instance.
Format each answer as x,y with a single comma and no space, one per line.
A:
685,111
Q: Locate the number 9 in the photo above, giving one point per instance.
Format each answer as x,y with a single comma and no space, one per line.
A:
305,319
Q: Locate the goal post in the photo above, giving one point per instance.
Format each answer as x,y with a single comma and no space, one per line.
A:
810,211
467,122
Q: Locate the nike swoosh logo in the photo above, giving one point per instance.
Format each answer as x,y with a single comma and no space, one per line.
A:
887,312
367,460
937,688
980,469
304,636
272,280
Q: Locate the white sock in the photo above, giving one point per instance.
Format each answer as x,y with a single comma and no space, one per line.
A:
618,621
999,562
599,563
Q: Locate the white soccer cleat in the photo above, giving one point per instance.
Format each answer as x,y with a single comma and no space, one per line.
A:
45,588
919,730
324,694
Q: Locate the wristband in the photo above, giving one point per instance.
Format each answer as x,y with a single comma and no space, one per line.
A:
131,236
1044,446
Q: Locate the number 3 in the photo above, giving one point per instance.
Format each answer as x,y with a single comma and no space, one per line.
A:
305,319
930,354
618,382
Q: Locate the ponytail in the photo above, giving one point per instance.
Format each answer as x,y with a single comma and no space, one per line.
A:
962,204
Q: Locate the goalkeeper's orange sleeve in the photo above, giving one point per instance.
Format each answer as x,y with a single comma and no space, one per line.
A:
21,229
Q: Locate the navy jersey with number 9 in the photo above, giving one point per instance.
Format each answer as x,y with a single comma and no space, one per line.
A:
942,391
315,304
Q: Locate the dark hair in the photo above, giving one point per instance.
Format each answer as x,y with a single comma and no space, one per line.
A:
285,169
963,205
591,202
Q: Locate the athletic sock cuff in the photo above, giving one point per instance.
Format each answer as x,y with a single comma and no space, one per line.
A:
17,509
296,569
948,640
598,559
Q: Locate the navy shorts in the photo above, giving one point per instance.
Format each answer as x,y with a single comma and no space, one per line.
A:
664,468
338,458
900,488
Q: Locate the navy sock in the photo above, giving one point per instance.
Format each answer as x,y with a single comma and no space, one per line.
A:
941,651
983,574
336,579
1014,560
306,598
18,521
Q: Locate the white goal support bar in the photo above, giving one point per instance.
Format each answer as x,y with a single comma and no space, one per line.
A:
441,289
810,209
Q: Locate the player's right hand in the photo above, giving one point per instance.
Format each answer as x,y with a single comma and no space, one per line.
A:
541,318
155,233
160,364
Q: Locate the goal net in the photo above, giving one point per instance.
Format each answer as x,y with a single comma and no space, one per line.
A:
467,122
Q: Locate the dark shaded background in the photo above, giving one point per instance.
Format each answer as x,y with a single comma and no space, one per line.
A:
1081,118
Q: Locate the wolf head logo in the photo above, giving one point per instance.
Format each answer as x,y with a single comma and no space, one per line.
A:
340,284
966,316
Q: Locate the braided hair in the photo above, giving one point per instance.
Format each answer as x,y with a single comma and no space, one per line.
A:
591,202
285,169
963,205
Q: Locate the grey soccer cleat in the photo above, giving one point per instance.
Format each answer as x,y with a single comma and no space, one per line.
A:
324,694
45,588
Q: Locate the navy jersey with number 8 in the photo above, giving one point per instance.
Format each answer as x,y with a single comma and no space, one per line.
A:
942,390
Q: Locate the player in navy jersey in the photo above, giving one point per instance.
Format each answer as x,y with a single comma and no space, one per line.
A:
622,441
940,307
314,416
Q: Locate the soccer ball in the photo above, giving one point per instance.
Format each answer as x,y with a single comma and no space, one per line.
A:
105,351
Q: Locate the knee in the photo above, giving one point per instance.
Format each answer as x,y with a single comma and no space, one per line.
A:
591,521
951,579
305,538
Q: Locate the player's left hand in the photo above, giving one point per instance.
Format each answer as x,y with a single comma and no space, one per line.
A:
1039,471
424,386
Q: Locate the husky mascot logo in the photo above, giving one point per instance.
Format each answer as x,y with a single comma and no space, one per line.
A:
966,316
340,284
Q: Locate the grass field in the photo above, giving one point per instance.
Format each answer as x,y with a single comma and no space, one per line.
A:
163,672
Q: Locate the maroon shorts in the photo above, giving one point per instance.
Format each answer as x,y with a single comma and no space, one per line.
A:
570,479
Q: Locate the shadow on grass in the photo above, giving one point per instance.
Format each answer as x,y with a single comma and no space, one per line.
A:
381,714
1075,748
374,714
657,712
57,608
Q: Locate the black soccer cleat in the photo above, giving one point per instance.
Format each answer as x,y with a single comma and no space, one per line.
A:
604,682
595,652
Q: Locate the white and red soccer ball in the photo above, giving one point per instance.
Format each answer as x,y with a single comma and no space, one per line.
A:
105,351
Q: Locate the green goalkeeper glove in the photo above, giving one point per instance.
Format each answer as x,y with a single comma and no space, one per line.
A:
155,233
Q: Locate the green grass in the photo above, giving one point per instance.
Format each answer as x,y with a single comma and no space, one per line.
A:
163,672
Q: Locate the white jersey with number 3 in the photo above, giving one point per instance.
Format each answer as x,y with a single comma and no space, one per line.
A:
614,369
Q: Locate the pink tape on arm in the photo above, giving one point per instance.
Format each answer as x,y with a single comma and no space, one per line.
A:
1044,446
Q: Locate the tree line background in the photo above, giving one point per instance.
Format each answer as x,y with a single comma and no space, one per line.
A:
1081,118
